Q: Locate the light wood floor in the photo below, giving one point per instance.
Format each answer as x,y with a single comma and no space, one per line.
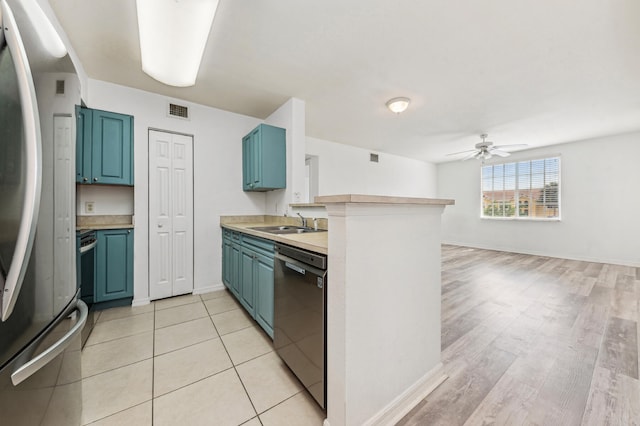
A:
531,340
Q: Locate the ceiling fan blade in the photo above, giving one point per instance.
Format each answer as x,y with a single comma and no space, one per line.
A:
474,154
462,152
510,146
500,153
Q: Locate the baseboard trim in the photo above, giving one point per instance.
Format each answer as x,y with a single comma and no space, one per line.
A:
403,403
140,302
611,261
209,289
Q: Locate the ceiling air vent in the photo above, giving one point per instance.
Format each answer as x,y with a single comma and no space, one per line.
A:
178,111
59,87
373,158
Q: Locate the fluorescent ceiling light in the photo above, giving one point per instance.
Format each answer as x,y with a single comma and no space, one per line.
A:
398,105
173,34
49,37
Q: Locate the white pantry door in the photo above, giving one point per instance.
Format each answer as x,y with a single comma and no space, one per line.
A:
170,214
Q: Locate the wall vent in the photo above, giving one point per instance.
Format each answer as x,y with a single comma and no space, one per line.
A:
373,158
59,87
178,111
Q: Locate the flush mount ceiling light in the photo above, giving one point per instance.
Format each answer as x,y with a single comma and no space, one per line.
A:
173,35
398,105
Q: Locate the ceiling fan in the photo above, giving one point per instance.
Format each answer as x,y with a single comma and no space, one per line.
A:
485,150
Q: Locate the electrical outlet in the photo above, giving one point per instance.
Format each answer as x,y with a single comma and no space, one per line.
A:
88,207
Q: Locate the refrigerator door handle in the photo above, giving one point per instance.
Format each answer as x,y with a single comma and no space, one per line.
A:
25,370
33,166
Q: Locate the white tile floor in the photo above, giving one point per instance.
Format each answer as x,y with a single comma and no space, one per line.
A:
188,360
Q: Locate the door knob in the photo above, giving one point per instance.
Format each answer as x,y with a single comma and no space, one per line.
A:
95,179
84,179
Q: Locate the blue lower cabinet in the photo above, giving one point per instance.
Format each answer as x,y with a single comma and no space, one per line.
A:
114,264
264,292
247,271
247,280
226,262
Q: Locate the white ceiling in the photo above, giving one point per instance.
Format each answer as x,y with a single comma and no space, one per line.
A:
524,71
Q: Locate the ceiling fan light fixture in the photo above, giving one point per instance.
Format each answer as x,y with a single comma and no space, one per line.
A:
398,105
173,35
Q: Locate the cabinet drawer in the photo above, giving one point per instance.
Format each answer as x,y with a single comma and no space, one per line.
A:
231,235
262,246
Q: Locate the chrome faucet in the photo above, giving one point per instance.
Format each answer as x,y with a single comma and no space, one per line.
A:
304,221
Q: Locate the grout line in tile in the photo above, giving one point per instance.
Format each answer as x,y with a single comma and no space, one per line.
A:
256,417
183,347
117,412
88,345
178,323
245,390
192,383
117,368
120,318
221,312
156,309
236,371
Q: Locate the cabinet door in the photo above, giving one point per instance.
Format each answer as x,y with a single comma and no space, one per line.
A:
251,164
264,292
114,264
83,144
272,155
264,159
112,150
234,274
226,262
247,158
247,280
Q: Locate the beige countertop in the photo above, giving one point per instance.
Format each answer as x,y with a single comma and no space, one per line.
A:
98,222
381,199
313,241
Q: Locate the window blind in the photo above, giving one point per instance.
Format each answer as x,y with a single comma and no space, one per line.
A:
526,189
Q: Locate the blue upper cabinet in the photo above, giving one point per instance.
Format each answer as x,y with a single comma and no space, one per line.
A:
83,145
264,154
104,147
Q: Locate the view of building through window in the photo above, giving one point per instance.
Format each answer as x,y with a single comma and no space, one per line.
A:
526,189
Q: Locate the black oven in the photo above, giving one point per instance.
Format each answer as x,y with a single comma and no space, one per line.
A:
86,267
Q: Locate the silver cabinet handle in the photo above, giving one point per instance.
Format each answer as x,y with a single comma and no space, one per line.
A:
159,225
88,247
24,371
95,179
33,167
85,179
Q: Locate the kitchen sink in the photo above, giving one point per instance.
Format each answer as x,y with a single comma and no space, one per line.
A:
286,229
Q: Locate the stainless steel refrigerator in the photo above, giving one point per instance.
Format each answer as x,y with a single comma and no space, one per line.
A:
41,316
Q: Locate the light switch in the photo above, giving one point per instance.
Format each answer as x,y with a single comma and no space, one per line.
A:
88,207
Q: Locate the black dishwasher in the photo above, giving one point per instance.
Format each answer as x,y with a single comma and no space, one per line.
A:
300,286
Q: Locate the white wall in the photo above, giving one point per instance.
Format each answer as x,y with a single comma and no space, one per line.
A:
599,205
217,174
107,200
82,75
345,169
290,116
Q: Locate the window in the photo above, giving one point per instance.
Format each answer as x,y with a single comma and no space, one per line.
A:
526,189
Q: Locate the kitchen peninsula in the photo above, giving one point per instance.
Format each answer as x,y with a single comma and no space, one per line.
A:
383,301
383,306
